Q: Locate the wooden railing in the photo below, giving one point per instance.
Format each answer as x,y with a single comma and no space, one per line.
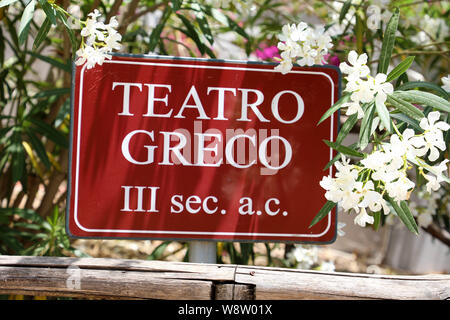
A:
140,279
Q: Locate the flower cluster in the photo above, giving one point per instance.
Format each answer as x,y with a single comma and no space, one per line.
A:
377,13
383,172
98,40
302,44
362,85
428,205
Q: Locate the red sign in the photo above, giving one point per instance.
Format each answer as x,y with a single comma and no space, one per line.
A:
198,149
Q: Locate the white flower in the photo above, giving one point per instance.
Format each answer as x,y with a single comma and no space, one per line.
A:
372,199
446,83
433,138
75,16
284,66
306,46
353,107
99,39
373,17
434,182
91,56
400,189
340,229
306,256
93,28
403,145
430,124
362,90
363,218
358,68
112,40
424,219
327,266
381,88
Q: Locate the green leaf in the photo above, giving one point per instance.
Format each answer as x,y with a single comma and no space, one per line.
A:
38,146
404,215
49,10
424,85
50,132
404,118
346,127
383,114
42,34
192,33
156,33
400,69
377,220
366,126
53,62
345,98
409,216
323,212
4,3
344,10
204,26
25,21
52,92
332,161
405,107
388,42
424,98
236,28
343,149
73,41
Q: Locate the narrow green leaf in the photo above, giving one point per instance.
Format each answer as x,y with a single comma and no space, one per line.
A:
405,107
424,85
366,126
400,69
383,114
346,127
404,118
204,26
323,212
345,98
156,33
344,10
405,217
424,98
52,92
377,220
192,33
332,161
409,216
49,10
4,3
42,34
236,28
388,42
50,132
38,146
53,62
343,149
73,41
27,15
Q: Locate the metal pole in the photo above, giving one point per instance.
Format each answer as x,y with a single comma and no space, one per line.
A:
202,252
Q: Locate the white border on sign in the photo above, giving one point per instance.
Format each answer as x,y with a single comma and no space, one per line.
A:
307,235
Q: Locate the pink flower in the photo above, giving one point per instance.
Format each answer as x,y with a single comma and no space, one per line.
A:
267,53
332,60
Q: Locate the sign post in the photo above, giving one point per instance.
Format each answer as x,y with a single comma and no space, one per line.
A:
196,149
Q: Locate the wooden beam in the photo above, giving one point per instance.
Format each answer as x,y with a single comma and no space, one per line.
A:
278,283
139,279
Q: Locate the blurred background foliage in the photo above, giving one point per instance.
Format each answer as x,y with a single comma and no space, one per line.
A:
37,46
